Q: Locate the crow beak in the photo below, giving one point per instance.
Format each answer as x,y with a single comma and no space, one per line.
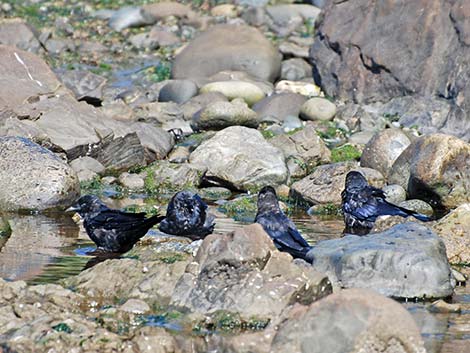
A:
73,208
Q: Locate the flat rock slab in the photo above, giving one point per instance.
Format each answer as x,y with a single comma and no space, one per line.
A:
405,261
33,178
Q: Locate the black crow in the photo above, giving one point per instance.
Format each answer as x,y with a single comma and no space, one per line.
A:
112,230
187,215
280,228
362,204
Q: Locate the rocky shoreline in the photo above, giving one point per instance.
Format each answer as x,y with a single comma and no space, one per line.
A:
150,98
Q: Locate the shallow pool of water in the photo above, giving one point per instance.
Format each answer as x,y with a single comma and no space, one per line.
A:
47,248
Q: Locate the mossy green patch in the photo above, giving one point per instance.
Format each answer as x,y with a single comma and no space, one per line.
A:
345,153
93,186
267,134
241,209
170,257
308,29
5,229
101,69
158,182
329,209
329,130
160,72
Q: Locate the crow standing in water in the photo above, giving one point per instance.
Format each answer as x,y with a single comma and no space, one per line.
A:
362,204
280,228
112,230
186,215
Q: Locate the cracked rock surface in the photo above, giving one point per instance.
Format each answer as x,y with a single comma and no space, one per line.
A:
414,38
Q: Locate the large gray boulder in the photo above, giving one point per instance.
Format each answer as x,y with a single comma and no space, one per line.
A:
228,47
33,178
351,66
353,320
243,272
405,261
241,157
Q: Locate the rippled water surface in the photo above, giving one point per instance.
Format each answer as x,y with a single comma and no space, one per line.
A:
45,249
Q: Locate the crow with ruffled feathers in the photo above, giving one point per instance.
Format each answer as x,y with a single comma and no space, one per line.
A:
280,228
112,230
187,216
363,203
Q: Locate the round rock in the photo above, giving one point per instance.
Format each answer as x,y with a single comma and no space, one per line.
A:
418,206
280,105
178,91
228,47
435,168
295,69
394,193
249,92
131,181
383,149
220,115
318,109
34,178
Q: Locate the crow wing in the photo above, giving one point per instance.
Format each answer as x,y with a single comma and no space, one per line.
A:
114,219
283,231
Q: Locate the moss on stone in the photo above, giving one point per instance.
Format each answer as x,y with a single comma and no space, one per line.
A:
329,209
345,153
241,208
5,229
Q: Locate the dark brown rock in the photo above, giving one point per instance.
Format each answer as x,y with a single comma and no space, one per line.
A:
397,51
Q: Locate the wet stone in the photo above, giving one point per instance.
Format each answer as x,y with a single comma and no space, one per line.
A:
41,179
131,181
412,262
215,193
418,206
394,193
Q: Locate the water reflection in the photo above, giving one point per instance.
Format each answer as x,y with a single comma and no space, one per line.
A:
36,241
